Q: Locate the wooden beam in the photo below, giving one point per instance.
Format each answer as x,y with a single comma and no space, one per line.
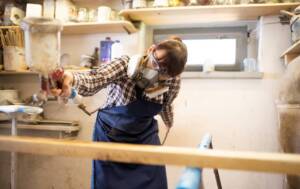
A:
155,155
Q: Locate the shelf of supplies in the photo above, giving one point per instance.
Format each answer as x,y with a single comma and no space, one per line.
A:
204,14
105,27
291,53
222,75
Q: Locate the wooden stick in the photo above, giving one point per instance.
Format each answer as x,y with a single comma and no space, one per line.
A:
12,37
7,39
2,38
22,38
18,38
155,155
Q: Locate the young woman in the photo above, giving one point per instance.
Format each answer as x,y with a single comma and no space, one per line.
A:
128,114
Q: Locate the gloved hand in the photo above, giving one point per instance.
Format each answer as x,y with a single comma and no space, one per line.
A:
66,85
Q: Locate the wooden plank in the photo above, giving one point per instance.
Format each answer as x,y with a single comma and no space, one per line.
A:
204,14
107,27
155,155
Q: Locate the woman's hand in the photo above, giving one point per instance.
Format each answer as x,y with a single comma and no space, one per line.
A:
67,82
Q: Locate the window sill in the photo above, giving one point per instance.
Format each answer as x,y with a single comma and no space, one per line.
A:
222,75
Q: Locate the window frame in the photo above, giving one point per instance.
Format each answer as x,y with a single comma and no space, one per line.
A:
239,33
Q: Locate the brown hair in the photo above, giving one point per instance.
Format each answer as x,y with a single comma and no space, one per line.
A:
176,55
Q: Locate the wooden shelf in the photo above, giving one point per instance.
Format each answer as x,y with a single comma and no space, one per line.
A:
2,72
9,27
107,27
91,27
222,75
291,53
67,129
204,14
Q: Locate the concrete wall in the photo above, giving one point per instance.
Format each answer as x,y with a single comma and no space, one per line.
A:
240,114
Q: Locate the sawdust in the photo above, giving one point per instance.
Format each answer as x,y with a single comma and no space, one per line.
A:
289,92
289,137
289,115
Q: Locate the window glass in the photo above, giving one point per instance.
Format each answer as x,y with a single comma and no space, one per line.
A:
212,51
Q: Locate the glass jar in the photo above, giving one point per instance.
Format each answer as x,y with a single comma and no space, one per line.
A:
82,15
174,3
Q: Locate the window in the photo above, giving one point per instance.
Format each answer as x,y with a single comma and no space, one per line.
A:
225,47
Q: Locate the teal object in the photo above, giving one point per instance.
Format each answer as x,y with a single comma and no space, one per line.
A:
192,177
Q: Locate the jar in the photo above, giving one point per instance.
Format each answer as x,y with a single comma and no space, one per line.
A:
92,15
127,4
82,15
174,3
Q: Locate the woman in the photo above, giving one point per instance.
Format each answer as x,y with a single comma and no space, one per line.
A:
128,114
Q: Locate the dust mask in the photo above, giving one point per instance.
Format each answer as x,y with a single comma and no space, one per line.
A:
145,78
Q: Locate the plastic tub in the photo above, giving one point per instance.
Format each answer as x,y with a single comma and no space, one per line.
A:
42,44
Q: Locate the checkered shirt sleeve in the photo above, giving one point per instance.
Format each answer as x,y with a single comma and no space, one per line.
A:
167,114
90,83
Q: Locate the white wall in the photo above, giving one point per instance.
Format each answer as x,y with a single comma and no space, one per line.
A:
240,114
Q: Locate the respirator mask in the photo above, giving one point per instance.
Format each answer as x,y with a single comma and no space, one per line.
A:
146,78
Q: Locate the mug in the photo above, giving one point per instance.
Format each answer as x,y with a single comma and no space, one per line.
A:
250,65
104,13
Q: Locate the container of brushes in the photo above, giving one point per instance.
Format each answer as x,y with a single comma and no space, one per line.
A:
14,58
13,51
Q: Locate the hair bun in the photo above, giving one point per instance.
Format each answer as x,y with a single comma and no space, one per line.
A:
175,37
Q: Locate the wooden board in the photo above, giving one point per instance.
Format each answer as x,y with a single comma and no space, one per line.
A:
107,27
155,155
204,14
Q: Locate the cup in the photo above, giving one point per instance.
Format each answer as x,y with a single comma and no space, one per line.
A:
208,66
104,13
92,15
33,10
82,15
250,65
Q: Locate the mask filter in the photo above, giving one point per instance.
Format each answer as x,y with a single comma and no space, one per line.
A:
148,77
145,78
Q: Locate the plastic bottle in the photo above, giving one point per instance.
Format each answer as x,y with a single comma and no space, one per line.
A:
105,47
77,99
116,50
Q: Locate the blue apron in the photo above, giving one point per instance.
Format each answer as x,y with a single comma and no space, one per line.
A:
133,123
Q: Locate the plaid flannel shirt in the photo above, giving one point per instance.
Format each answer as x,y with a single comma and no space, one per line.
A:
121,89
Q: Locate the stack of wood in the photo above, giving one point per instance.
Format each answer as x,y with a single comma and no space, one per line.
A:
11,37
